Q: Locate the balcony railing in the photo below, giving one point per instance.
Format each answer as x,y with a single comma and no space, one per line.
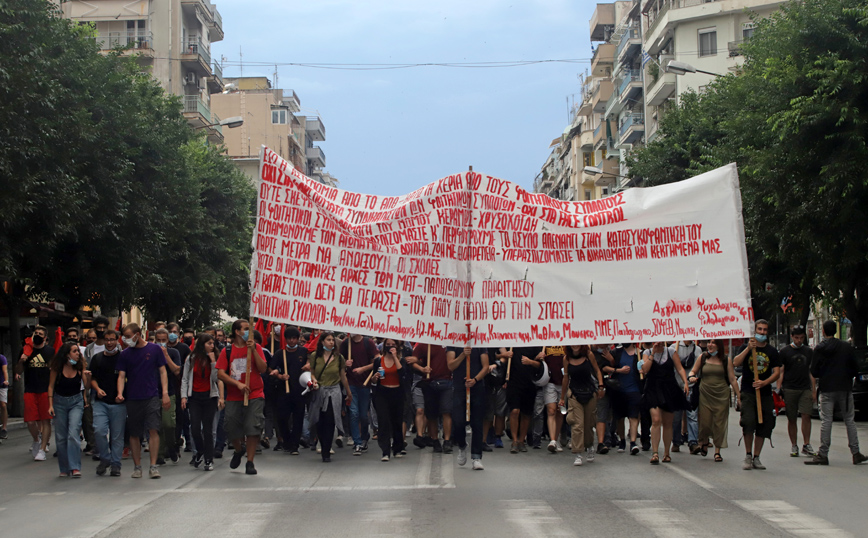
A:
218,72
136,39
735,48
632,33
218,19
597,130
628,77
195,46
666,6
192,105
629,120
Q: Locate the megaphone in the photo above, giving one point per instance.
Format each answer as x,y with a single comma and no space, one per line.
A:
305,381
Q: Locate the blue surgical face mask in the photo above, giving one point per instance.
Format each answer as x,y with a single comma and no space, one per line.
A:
73,362
292,347
161,344
327,348
761,337
713,353
173,337
246,335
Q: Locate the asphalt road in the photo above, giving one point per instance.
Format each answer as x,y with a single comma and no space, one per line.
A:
532,494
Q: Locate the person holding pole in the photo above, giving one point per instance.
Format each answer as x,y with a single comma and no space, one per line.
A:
245,399
521,392
360,353
284,370
762,367
437,391
328,371
469,367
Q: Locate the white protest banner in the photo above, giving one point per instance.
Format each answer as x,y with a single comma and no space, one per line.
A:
474,256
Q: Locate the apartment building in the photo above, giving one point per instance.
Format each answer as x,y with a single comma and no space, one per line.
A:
271,118
172,40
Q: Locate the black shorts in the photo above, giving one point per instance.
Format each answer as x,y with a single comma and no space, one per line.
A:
521,398
749,417
144,415
438,398
626,404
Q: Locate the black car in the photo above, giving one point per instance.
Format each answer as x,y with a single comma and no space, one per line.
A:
860,385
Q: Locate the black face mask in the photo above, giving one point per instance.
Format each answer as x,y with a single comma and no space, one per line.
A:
100,335
188,341
38,340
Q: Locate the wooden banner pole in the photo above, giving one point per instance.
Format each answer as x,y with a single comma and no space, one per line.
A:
249,360
429,361
508,365
759,403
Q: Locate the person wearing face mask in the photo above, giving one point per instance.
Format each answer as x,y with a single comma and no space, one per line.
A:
35,368
328,374
109,415
769,370
289,406
182,418
715,370
66,403
96,344
189,338
243,422
798,389
142,373
201,393
662,395
169,444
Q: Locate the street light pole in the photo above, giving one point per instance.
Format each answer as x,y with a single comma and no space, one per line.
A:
231,123
682,68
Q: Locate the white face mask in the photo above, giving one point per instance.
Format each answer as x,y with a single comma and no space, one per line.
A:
130,342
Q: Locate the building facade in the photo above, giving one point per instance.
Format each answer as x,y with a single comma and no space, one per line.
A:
172,40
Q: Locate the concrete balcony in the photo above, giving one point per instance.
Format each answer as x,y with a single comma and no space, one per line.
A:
630,87
600,95
197,113
139,42
315,156
215,130
604,58
215,82
632,128
291,101
216,27
661,90
664,15
196,57
603,17
200,9
314,129
586,139
629,45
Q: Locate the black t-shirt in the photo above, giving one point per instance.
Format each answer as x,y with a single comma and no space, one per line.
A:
460,373
767,360
37,370
183,350
104,369
521,374
172,378
295,360
797,367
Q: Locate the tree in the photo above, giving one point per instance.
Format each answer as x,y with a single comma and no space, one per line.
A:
795,121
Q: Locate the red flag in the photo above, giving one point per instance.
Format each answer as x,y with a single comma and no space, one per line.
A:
311,344
282,337
118,325
28,346
58,339
260,326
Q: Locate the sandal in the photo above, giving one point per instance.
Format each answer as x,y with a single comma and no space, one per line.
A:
667,459
655,459
704,450
718,458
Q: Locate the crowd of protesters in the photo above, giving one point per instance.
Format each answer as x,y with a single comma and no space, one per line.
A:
170,390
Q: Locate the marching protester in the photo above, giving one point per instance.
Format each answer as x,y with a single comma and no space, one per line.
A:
437,394
834,367
582,387
496,408
95,344
243,422
142,372
109,415
798,389
169,438
285,369
360,353
521,392
548,396
662,396
715,374
37,374
182,417
328,375
469,367
388,374
606,363
66,403
768,367
420,378
688,351
627,400
202,395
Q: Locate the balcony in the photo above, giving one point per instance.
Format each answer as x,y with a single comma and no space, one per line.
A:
600,94
291,101
196,111
215,130
586,139
601,63
664,15
199,9
611,169
734,48
632,128
315,155
661,90
603,18
631,85
216,27
215,82
314,129
629,45
136,41
196,56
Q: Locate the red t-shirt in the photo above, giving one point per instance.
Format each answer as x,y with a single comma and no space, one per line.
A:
236,368
439,366
202,380
555,361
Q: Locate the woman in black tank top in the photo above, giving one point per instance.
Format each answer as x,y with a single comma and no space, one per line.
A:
582,386
66,401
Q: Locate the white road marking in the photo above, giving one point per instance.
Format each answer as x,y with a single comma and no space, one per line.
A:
535,518
47,493
447,470
248,519
662,520
423,472
690,476
295,489
386,518
792,519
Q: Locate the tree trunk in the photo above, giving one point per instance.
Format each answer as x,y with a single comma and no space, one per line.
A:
12,300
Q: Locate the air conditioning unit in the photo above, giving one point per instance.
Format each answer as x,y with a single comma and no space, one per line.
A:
203,83
190,78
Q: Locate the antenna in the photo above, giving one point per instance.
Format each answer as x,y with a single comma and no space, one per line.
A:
275,77
241,63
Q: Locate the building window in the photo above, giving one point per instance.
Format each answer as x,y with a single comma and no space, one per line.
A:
747,30
278,117
587,194
708,42
604,191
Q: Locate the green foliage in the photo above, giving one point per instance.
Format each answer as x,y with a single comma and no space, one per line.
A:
795,120
109,198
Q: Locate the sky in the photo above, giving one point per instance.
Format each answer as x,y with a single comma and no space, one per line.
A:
389,132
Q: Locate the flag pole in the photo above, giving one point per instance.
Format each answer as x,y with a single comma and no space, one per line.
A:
249,360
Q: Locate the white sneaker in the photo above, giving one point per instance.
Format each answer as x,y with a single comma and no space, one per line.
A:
558,446
34,448
146,447
477,465
40,455
332,451
319,449
350,441
578,460
462,456
553,446
592,452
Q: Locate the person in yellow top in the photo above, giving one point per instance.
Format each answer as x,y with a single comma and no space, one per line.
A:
328,375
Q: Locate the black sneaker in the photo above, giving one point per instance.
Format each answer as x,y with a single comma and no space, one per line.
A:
437,447
209,466
304,443
357,450
278,447
622,445
265,442
197,460
102,467
339,441
818,460
447,447
218,455
487,447
236,460
419,441
602,449
116,471
3,433
161,461
250,469
174,458
634,450
365,446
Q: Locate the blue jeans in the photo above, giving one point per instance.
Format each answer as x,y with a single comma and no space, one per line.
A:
692,428
109,421
68,411
359,413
